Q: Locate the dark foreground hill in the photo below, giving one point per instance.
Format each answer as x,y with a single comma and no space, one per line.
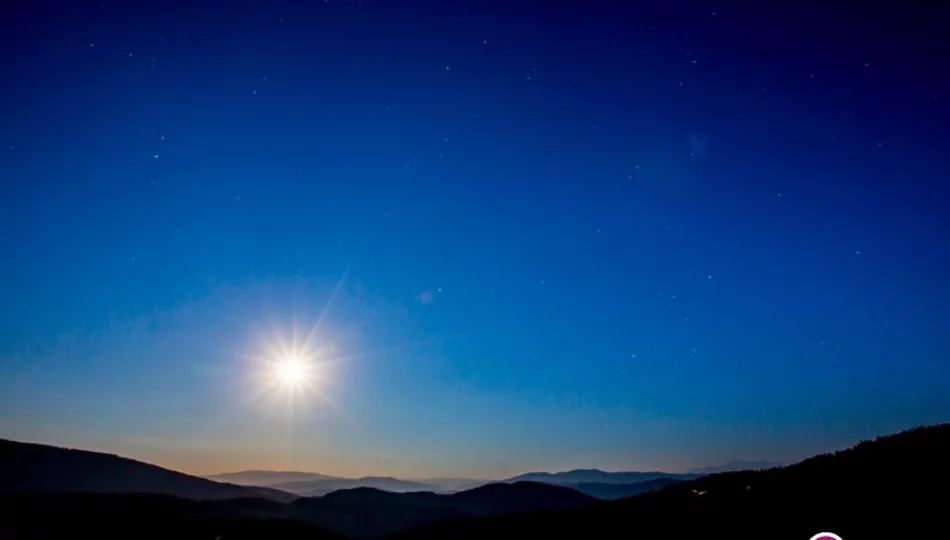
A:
28,467
68,516
48,492
367,512
354,513
893,487
619,491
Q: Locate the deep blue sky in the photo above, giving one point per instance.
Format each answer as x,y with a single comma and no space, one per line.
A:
630,235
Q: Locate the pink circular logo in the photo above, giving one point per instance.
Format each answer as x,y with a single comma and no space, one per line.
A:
825,536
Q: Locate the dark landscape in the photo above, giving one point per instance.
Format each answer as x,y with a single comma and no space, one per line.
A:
888,485
474,270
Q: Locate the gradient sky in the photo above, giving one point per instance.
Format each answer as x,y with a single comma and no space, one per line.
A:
536,235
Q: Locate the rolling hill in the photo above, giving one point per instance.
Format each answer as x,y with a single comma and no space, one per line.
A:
112,496
891,487
315,488
313,484
593,482
604,484
368,512
619,491
268,478
353,513
30,467
595,476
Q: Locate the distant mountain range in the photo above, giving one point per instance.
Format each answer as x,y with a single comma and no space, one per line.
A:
36,478
886,488
67,473
268,478
595,476
314,484
605,484
314,488
594,482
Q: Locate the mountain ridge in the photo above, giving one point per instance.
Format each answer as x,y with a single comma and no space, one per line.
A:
36,467
865,491
578,476
591,481
313,488
70,485
266,478
733,466
885,497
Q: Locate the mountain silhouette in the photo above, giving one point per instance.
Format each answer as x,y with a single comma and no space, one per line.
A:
454,484
353,513
315,484
518,497
734,466
887,488
619,491
75,489
268,478
367,512
595,476
314,488
30,467
147,516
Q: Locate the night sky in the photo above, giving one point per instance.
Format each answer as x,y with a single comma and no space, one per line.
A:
522,235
